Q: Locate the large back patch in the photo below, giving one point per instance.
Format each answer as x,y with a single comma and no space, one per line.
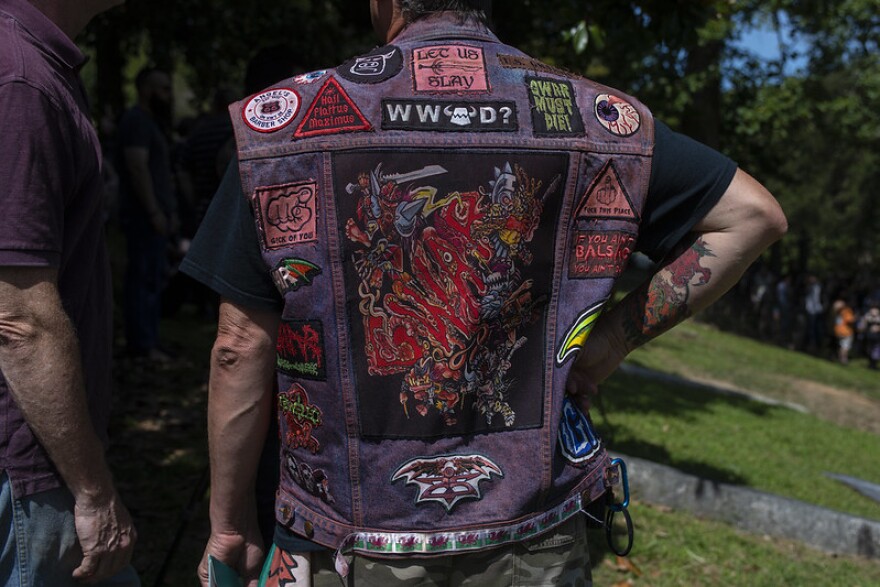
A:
448,263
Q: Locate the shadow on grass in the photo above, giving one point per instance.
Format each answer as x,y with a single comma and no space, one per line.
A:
637,395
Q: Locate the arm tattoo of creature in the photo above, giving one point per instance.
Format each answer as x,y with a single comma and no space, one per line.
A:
662,303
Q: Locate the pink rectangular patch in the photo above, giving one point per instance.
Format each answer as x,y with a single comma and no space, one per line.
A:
455,69
287,214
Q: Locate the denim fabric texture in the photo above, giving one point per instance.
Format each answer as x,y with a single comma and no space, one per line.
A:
445,218
39,544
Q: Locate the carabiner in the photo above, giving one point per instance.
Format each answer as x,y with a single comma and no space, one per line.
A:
609,532
624,481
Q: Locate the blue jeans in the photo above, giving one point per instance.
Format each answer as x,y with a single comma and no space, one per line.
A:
39,546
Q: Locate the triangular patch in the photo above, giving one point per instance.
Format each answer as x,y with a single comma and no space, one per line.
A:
607,198
332,111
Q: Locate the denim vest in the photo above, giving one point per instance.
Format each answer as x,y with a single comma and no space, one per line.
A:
445,218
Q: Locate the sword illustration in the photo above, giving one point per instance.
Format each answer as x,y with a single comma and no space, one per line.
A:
401,178
438,67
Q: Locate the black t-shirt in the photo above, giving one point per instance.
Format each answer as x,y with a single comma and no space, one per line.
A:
687,180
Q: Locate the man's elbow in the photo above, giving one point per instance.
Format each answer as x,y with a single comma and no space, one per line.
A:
18,331
234,348
230,352
771,219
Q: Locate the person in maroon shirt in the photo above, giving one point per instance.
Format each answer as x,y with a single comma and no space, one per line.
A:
61,519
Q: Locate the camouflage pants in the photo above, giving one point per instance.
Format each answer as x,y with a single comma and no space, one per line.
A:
558,558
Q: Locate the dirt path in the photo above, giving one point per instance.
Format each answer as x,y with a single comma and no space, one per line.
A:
840,406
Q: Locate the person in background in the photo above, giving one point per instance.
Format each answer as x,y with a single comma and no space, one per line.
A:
62,522
844,331
869,326
148,209
814,307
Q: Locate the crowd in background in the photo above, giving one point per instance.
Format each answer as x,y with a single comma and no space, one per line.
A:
837,318
160,178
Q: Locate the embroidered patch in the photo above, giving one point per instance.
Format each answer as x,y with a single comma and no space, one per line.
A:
271,110
287,214
577,439
599,254
427,115
450,254
607,198
450,68
299,418
291,274
300,349
579,332
332,111
520,62
555,111
617,115
314,481
381,65
310,78
460,542
448,479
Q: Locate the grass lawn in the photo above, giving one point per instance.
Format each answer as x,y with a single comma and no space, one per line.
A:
674,550
738,441
159,454
694,349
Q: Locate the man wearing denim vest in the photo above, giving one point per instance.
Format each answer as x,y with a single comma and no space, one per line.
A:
422,244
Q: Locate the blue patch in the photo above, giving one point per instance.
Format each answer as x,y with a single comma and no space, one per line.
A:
577,439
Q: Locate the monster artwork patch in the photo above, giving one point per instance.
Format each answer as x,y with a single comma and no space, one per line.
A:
332,112
596,253
449,116
448,261
459,69
300,349
298,418
314,481
606,198
448,480
292,274
555,112
286,214
618,116
380,65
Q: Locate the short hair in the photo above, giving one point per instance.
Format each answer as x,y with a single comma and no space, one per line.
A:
144,75
471,9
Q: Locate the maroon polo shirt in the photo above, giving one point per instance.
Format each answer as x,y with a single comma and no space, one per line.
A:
51,213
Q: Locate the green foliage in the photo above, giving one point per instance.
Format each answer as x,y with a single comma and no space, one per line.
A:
812,137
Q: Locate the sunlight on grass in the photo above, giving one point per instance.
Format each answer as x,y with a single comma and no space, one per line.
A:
674,549
738,441
697,349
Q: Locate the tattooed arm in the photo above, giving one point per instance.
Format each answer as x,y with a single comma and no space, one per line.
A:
744,222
